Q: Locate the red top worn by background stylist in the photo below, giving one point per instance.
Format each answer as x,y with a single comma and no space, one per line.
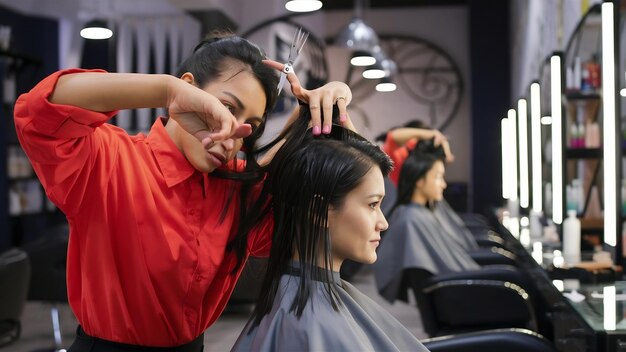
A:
398,154
146,262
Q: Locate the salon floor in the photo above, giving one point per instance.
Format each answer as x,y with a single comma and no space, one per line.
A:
37,332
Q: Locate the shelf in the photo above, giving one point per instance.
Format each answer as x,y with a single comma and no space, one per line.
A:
20,57
583,153
591,224
579,95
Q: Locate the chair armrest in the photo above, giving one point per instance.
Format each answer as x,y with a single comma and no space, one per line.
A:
493,255
496,340
470,304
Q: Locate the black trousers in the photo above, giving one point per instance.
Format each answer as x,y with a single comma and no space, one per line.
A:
86,343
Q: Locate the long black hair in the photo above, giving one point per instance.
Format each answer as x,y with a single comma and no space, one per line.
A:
420,160
307,176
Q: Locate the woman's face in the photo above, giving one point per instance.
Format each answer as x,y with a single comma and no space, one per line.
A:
430,187
355,227
244,96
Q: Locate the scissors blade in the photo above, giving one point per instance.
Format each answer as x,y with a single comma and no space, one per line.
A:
294,50
281,82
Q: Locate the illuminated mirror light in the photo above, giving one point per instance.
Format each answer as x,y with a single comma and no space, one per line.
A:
512,136
559,285
506,167
522,123
557,143
609,304
546,120
537,252
608,126
535,141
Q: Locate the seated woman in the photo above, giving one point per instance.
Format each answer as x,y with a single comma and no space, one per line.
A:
418,237
326,194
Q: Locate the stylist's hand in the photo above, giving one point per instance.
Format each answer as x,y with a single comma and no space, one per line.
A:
439,139
322,98
202,114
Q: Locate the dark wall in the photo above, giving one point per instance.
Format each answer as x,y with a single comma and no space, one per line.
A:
490,69
32,55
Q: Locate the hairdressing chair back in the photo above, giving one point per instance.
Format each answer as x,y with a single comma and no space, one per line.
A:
14,280
468,301
48,258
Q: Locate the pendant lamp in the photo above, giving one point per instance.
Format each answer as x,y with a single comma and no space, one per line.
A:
96,29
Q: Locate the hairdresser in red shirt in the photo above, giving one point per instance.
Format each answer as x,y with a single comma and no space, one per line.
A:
401,140
158,230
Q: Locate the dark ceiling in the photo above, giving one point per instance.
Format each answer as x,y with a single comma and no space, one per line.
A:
349,4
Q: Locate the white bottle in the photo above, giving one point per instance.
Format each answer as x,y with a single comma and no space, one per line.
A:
571,238
579,195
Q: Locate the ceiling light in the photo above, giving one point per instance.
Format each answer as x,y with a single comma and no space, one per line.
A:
386,85
359,37
362,58
374,72
96,29
303,5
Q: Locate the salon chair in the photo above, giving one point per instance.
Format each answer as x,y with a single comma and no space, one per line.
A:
14,280
497,340
48,258
471,300
248,286
493,255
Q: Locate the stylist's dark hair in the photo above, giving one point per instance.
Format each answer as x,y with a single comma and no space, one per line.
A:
308,176
420,160
210,59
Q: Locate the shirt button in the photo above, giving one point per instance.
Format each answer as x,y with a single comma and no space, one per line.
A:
198,277
192,212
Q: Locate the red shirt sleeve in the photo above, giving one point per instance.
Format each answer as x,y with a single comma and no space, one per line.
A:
390,145
398,157
60,141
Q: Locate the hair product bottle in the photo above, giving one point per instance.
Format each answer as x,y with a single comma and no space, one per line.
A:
571,238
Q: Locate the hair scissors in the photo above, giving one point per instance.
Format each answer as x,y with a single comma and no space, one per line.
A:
296,46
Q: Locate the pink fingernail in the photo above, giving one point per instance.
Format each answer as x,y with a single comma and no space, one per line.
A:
326,129
316,130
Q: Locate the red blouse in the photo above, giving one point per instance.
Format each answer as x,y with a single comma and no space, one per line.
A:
146,262
397,153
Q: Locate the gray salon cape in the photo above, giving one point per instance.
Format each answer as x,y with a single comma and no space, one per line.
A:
453,224
416,239
359,325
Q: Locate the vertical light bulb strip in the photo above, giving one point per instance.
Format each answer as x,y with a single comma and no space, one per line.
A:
506,167
535,146
609,304
609,125
522,124
557,140
513,153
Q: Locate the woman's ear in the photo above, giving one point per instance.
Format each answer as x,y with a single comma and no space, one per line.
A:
188,77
